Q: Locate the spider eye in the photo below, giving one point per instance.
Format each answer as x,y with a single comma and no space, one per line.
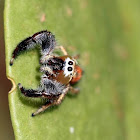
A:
69,68
70,63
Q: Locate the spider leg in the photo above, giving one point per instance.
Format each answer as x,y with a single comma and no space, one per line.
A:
57,101
48,73
35,93
44,59
74,90
61,96
43,108
62,49
48,104
45,68
30,92
44,38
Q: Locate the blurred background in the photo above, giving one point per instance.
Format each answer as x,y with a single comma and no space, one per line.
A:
6,130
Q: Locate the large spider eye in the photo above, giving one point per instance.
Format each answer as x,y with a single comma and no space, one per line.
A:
69,68
70,63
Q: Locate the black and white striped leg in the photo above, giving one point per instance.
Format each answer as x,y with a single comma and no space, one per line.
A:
45,39
30,92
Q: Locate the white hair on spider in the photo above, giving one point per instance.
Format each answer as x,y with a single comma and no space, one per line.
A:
69,67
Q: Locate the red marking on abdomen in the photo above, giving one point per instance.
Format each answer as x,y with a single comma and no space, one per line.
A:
78,75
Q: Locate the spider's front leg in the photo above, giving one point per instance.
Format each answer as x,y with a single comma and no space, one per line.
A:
44,59
44,38
30,92
35,93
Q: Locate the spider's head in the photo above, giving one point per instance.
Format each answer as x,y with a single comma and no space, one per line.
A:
71,72
69,67
68,71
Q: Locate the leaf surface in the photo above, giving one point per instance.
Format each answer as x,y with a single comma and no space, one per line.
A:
98,31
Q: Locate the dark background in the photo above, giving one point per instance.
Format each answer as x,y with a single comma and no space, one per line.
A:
6,131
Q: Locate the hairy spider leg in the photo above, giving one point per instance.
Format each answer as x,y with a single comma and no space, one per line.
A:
45,68
30,92
49,103
45,58
43,108
59,100
44,38
35,93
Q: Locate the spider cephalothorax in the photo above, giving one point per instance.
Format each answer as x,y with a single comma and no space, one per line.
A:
58,71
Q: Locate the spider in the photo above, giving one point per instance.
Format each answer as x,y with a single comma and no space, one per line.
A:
59,72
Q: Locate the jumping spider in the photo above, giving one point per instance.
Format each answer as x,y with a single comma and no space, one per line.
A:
59,72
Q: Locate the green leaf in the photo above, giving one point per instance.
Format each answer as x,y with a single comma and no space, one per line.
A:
106,35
